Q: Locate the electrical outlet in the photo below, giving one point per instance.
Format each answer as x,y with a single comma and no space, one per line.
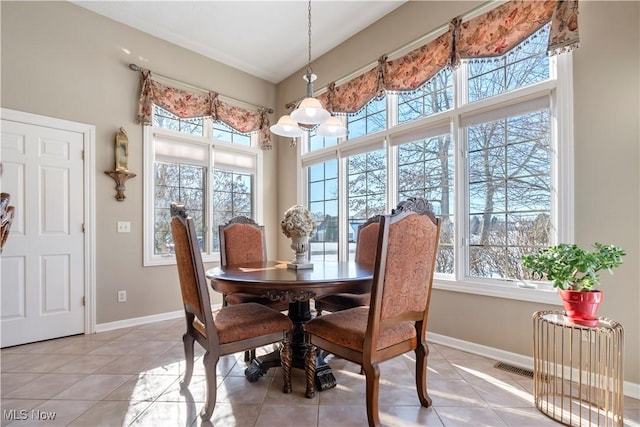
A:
122,296
124,227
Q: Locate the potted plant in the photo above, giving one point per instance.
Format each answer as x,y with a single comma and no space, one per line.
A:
574,272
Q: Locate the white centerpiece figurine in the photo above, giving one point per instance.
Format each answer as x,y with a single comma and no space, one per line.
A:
298,224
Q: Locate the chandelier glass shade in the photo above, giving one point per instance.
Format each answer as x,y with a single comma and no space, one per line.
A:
332,128
310,111
286,126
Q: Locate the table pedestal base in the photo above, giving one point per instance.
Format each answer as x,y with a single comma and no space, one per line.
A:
299,313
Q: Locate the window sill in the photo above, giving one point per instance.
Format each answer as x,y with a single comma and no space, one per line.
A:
171,259
506,291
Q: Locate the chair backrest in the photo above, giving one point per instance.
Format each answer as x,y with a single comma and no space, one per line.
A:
415,204
193,282
242,240
403,272
367,241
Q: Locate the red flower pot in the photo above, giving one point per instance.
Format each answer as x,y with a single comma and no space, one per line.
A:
581,307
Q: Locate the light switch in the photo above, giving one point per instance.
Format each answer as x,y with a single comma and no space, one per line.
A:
124,227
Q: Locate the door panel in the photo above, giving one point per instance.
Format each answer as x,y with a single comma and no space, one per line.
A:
42,261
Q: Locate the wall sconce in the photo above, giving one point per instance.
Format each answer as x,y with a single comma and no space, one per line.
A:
121,173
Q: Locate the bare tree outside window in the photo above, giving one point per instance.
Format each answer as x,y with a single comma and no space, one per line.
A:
367,191
232,196
175,182
434,96
509,167
371,118
509,193
526,64
164,119
425,167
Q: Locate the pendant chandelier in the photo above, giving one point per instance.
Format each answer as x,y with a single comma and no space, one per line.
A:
310,111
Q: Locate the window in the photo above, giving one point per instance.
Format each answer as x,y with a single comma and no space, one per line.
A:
232,196
317,142
525,65
425,169
215,179
367,191
177,182
433,97
482,144
509,197
323,204
166,120
222,132
371,118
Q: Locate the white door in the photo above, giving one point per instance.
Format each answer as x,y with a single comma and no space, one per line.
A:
42,264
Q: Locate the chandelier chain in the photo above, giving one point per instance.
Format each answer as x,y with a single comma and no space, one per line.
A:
309,70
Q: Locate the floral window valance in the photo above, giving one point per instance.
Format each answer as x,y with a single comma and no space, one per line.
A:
491,34
186,104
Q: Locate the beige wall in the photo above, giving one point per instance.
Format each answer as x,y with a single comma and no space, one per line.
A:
63,61
60,60
607,158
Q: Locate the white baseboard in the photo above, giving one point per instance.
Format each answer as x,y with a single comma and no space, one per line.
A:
137,321
629,389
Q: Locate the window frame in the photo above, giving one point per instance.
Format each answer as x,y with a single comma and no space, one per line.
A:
558,88
149,158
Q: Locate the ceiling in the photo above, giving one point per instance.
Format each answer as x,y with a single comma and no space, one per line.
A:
268,39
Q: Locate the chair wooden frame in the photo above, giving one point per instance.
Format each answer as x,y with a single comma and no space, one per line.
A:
379,317
234,321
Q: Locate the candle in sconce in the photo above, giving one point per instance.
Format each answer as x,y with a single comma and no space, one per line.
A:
122,150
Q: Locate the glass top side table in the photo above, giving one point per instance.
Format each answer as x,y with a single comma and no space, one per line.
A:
578,370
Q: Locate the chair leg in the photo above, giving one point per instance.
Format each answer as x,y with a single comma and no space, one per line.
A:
249,355
372,375
187,341
286,360
421,374
210,361
310,370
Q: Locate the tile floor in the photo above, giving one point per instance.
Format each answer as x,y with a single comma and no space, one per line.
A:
130,377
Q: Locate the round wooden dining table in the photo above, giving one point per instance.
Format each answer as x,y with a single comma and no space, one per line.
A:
273,280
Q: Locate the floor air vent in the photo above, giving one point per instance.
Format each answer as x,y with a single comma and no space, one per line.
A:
514,370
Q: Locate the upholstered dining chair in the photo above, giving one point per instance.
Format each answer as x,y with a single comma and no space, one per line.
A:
396,320
229,330
366,240
242,240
